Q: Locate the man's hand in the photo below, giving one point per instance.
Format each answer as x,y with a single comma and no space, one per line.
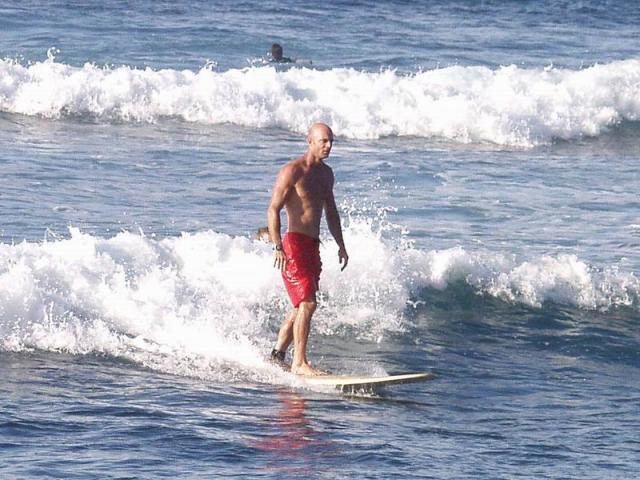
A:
279,260
343,257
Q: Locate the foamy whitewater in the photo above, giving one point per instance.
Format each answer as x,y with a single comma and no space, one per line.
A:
486,164
211,294
508,106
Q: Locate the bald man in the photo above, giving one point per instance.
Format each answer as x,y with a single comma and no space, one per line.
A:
304,187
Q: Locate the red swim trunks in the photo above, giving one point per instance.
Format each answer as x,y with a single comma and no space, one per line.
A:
302,272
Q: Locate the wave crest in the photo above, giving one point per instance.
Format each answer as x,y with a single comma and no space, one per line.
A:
208,305
508,106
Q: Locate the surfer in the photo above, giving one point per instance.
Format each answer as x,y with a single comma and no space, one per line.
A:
276,54
304,187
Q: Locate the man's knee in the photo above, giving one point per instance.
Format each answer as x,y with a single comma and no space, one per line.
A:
308,304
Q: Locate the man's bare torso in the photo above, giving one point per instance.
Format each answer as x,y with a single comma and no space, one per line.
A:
312,184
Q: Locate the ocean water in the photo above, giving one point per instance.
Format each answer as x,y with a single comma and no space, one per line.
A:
487,175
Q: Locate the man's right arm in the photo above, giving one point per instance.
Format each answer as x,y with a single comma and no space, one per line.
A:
278,198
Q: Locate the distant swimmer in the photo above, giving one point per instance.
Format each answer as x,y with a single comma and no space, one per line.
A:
277,56
304,188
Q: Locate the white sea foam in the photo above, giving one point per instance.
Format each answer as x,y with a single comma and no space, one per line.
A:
208,304
509,106
562,279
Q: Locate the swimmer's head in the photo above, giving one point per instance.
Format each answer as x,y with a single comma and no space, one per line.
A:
276,52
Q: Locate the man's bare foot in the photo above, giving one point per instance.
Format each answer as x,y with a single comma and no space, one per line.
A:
279,363
277,358
306,369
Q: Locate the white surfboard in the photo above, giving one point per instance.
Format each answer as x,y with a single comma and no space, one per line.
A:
350,383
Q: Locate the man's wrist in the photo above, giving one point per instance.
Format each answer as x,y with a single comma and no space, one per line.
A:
278,248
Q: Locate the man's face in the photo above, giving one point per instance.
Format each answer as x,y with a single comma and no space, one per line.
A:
320,142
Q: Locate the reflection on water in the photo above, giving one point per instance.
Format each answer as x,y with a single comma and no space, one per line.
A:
293,444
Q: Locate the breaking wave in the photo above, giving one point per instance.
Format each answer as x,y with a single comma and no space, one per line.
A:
174,303
509,106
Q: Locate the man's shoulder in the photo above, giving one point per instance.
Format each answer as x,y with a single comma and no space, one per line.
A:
298,167
295,164
293,168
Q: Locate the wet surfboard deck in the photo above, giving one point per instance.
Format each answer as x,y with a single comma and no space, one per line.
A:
351,383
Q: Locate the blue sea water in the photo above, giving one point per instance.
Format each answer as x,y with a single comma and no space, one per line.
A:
487,178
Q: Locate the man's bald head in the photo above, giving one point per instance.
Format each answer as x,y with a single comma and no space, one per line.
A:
320,139
321,128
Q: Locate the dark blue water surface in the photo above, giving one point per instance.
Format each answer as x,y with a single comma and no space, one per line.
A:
487,179
519,393
394,34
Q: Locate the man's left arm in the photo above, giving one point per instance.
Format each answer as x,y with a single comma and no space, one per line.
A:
333,221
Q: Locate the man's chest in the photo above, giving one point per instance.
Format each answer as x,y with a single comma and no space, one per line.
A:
313,187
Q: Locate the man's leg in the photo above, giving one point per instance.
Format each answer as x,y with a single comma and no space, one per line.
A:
285,335
301,328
